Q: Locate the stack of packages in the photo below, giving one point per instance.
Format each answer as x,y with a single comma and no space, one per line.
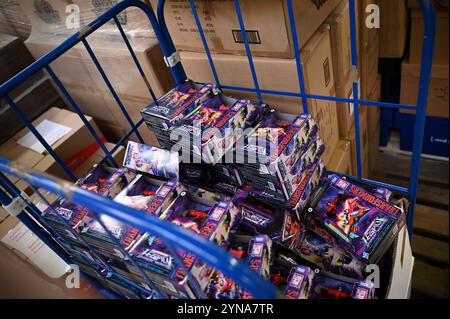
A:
310,232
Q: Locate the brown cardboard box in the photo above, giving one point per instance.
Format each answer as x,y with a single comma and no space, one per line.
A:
345,111
339,22
374,148
280,74
13,21
364,140
267,23
438,92
368,51
441,43
341,161
393,28
81,78
77,141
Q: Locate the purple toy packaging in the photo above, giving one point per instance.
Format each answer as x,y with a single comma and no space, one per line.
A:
276,155
299,283
200,211
302,196
106,181
360,221
326,286
328,257
151,160
161,117
258,217
211,130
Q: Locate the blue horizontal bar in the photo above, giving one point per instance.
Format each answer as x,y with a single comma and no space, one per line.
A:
322,97
181,238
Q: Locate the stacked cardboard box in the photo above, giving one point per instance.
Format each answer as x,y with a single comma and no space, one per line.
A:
33,97
13,20
393,28
280,74
79,74
436,141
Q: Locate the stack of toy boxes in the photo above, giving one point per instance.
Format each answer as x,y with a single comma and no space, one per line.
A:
222,178
256,252
216,125
201,212
362,222
68,219
327,286
163,115
279,153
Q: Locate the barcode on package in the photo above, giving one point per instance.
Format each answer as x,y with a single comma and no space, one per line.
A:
252,36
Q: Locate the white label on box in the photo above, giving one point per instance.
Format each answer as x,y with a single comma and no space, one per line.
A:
23,240
50,131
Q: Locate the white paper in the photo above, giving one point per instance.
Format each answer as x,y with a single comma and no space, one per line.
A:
23,240
50,131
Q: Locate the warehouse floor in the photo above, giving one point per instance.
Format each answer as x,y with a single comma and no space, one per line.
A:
431,227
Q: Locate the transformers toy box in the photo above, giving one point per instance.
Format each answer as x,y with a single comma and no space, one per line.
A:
360,221
299,283
175,105
149,196
256,252
216,125
201,212
275,155
257,217
151,160
327,286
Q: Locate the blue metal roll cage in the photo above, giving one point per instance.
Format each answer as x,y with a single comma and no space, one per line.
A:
174,236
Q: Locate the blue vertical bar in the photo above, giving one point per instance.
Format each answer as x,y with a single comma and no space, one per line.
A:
424,84
169,48
301,79
205,43
75,107
352,9
35,132
133,55
110,87
247,49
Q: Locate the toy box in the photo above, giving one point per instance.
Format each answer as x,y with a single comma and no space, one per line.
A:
327,286
216,125
299,283
106,181
269,156
256,252
151,160
358,220
331,258
199,211
220,178
258,217
150,196
306,189
177,104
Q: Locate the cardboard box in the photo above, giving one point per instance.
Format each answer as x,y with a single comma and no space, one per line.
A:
441,43
374,148
438,92
345,111
267,24
341,161
13,21
281,75
84,83
393,28
339,22
368,51
78,141
364,140
373,112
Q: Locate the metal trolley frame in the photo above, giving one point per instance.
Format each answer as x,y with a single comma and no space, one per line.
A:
17,203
